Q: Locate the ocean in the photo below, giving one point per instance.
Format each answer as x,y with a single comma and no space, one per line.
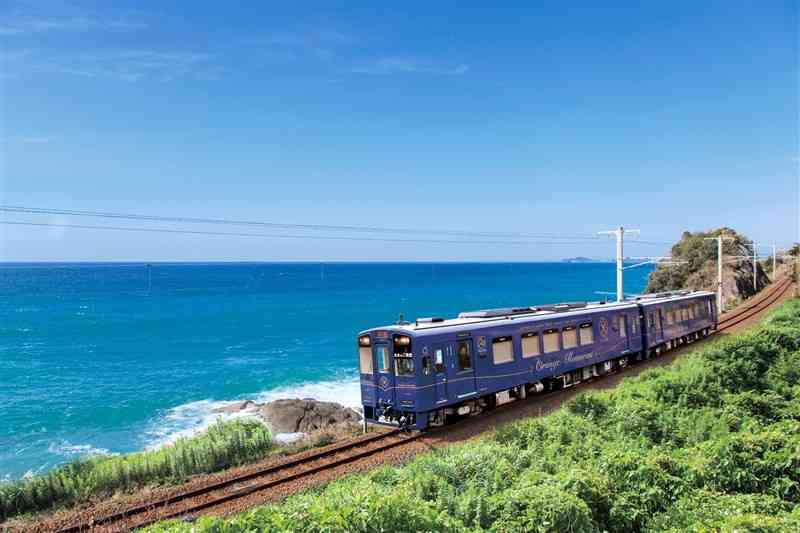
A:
113,358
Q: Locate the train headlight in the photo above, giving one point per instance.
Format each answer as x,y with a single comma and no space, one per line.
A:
364,340
402,340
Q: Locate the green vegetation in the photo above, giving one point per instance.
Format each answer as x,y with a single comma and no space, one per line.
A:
224,445
711,443
698,270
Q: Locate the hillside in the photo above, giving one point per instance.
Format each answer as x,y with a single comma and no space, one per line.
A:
699,272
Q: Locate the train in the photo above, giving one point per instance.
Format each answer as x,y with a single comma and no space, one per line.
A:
429,372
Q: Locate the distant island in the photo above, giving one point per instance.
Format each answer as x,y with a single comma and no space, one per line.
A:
579,260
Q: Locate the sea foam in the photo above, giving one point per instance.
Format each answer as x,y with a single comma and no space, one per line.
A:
191,418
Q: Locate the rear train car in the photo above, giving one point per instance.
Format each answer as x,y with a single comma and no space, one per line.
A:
425,373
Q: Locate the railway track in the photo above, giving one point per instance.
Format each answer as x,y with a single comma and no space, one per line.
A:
191,503
759,303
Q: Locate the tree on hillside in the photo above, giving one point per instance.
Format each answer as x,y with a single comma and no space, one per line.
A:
698,267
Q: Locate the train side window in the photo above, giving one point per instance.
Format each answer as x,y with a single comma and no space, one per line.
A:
439,360
530,345
550,339
426,365
691,312
586,333
650,321
684,314
623,325
670,317
569,337
404,366
464,359
634,327
710,309
502,350
365,358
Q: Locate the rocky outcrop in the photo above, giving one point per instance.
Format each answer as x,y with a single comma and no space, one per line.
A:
698,268
304,416
295,416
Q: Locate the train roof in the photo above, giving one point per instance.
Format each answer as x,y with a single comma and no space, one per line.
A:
468,320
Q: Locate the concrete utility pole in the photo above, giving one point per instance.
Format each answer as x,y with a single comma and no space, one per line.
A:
774,262
755,268
719,240
620,234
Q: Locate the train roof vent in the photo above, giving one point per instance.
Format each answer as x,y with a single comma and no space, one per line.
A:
664,294
492,313
562,307
430,320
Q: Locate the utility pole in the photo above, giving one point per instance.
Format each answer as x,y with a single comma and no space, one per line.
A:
719,240
620,234
755,268
774,262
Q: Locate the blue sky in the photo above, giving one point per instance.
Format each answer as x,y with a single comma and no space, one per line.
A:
529,116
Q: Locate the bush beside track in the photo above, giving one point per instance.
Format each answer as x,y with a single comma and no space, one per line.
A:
711,443
224,445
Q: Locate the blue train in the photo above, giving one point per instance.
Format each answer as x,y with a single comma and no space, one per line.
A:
425,373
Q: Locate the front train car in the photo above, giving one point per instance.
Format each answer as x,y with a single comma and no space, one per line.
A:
388,375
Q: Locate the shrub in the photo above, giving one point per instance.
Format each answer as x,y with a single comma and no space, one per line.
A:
222,446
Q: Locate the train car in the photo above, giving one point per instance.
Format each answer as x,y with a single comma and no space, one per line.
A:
673,319
420,374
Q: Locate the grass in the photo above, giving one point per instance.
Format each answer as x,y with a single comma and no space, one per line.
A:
710,443
224,445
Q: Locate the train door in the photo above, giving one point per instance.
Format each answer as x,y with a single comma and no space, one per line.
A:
654,326
623,330
440,373
461,371
383,372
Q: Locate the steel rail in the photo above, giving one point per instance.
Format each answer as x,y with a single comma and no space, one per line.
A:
764,302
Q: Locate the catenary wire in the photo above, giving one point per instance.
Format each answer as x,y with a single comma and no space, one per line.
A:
280,236
326,227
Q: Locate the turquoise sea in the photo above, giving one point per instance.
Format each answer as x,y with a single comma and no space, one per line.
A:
112,358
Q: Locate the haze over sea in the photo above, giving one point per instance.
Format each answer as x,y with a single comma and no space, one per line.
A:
95,358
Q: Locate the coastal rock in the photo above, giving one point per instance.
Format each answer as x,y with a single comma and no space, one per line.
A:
304,416
236,407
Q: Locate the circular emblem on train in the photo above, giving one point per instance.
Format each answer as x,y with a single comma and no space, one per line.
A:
383,383
603,326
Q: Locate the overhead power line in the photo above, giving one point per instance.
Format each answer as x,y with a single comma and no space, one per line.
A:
279,235
308,227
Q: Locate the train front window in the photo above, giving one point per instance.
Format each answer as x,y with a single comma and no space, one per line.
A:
365,354
382,355
404,366
365,358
